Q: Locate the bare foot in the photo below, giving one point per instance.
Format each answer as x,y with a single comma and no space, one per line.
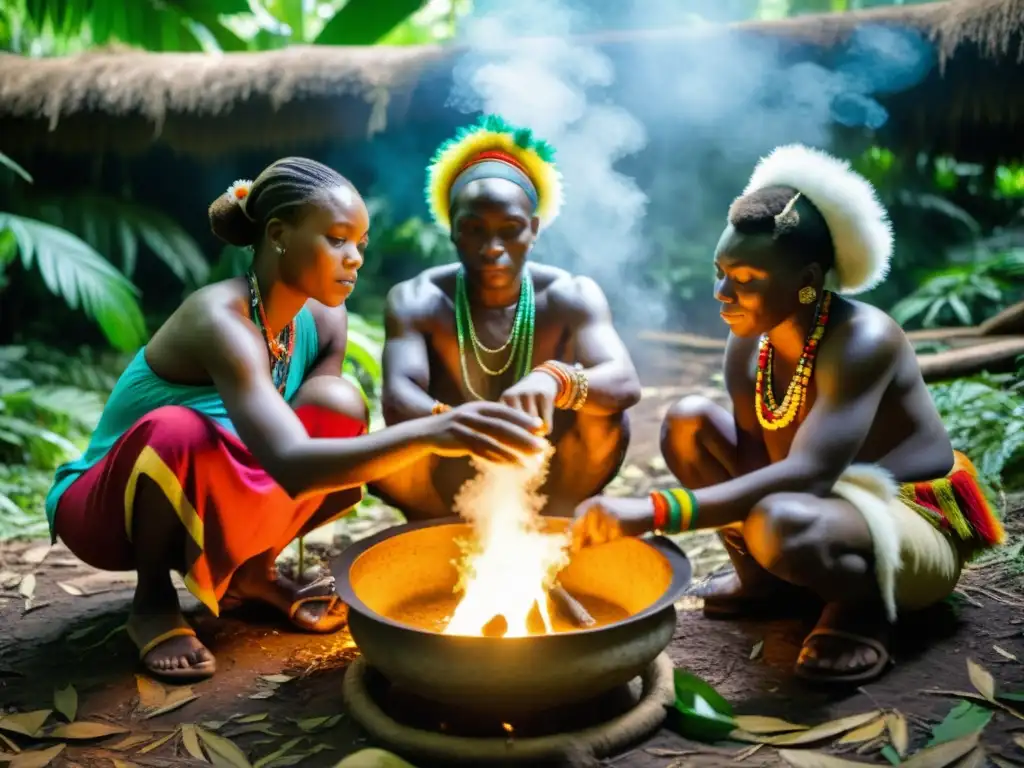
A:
169,648
848,645
313,607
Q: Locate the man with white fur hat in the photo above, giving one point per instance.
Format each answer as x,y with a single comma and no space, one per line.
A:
833,482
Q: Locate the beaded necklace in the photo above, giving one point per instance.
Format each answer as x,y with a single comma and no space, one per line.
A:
520,340
282,346
771,415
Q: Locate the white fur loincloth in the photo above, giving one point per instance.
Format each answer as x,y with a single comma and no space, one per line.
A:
916,565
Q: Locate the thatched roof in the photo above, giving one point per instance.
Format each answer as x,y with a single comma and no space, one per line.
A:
124,102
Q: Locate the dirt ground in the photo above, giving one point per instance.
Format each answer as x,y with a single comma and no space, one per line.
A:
273,687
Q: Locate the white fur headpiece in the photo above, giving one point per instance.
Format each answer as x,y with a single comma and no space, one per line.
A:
857,220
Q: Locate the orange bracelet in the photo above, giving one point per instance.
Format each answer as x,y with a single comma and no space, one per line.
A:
558,371
439,408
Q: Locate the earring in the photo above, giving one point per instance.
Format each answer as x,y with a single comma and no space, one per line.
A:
280,250
807,295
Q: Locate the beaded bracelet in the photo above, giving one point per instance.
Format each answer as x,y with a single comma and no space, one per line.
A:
675,510
573,386
439,408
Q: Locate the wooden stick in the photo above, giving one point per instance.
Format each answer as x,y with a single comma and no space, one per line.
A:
571,607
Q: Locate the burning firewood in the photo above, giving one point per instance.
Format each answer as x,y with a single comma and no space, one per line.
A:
571,607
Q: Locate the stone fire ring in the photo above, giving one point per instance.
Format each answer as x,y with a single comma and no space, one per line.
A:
595,742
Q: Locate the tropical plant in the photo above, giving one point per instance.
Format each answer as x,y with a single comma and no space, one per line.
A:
984,417
49,404
964,294
54,27
72,270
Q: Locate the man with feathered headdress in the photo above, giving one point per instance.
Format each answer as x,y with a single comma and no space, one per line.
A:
495,326
832,482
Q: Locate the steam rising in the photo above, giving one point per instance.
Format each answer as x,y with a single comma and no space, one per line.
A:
655,138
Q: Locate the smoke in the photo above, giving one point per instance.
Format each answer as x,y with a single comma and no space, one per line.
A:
654,140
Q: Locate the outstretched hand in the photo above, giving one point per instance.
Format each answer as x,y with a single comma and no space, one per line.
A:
490,431
534,394
605,518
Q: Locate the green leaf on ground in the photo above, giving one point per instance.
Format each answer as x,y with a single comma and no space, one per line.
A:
701,712
65,701
964,719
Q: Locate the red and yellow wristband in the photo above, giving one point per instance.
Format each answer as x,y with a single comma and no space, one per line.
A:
573,386
675,510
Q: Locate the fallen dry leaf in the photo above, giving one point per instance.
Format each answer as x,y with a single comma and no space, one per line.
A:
123,764
277,679
868,732
190,739
1004,653
151,693
65,701
943,754
755,652
37,758
27,588
257,718
662,752
158,743
85,730
36,555
311,724
757,724
825,730
176,699
896,723
974,759
9,579
227,752
243,730
71,589
799,758
25,723
275,757
10,744
1019,740
982,680
259,695
131,741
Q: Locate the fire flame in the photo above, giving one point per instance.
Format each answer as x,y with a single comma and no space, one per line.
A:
511,563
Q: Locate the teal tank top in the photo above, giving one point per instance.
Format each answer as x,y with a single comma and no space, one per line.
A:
139,391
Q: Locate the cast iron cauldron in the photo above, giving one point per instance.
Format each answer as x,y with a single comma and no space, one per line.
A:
503,677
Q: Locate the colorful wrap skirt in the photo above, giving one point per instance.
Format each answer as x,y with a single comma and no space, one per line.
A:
230,508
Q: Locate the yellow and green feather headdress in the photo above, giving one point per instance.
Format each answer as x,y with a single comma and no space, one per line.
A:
493,148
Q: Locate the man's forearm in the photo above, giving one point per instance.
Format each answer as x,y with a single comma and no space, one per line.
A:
405,400
611,388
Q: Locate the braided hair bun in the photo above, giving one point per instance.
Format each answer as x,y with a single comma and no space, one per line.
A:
239,216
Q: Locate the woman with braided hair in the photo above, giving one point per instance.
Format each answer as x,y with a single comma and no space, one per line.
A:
232,432
833,482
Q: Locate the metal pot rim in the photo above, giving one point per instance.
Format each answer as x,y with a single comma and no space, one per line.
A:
678,561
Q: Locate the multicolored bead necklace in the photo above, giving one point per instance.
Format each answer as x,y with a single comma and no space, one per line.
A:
773,416
520,340
282,346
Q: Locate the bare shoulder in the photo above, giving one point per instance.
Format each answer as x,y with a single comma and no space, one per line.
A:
862,341
418,299
211,308
575,296
331,322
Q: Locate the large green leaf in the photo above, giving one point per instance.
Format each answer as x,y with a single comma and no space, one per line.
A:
113,226
9,163
74,271
364,22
